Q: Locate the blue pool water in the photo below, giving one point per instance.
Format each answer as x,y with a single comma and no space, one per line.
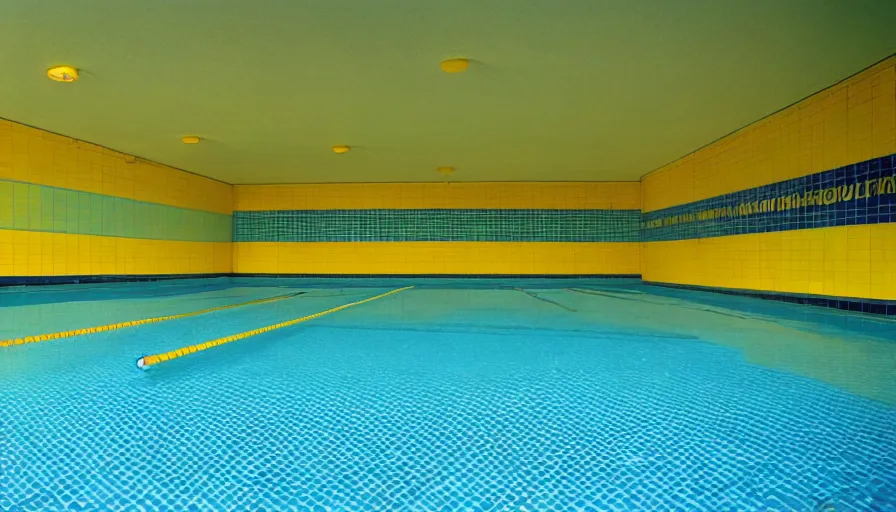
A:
455,395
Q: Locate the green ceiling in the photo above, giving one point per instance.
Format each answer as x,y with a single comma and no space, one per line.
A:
560,90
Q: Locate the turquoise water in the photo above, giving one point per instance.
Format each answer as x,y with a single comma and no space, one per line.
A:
455,395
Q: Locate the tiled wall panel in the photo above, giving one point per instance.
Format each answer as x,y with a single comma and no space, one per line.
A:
32,207
838,240
456,258
471,228
850,122
72,208
456,196
862,193
30,155
39,254
846,261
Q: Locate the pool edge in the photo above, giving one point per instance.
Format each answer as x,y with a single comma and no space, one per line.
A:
853,304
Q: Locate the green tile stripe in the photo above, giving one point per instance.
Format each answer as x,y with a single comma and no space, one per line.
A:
32,207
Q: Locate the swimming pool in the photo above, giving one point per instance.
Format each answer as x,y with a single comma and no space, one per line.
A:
453,395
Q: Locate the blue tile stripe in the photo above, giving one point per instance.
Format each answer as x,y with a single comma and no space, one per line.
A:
102,278
437,225
862,193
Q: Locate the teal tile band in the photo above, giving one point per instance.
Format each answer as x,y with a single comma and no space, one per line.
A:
437,225
32,207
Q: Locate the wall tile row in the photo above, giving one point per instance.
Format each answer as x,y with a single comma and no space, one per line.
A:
32,207
858,194
435,225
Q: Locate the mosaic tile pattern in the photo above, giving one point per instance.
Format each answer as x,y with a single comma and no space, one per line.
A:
862,193
31,207
437,225
436,415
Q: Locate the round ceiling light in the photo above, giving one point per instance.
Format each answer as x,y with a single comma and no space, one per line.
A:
341,150
190,139
454,65
65,74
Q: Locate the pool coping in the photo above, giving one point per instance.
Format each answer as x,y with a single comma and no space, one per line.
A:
6,281
116,278
853,304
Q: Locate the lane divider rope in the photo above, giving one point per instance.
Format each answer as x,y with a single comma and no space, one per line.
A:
549,301
134,323
151,360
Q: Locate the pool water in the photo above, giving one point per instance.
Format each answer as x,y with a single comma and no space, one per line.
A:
454,395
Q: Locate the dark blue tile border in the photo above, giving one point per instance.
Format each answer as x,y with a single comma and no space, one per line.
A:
862,193
869,306
55,280
118,278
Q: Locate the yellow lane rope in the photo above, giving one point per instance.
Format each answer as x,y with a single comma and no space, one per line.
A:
147,361
133,323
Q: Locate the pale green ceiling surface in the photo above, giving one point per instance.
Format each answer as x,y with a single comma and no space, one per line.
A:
561,90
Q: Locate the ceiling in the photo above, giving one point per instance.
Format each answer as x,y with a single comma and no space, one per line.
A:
559,89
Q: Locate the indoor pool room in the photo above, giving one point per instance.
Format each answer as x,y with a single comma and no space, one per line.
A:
508,256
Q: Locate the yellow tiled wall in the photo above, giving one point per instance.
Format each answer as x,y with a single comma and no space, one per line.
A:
438,257
845,261
541,195
32,253
30,155
850,122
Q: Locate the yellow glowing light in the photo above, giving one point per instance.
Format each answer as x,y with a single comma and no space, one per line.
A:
446,170
63,74
190,139
341,150
454,65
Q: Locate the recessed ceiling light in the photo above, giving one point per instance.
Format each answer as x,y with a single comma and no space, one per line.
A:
454,65
190,139
66,74
341,150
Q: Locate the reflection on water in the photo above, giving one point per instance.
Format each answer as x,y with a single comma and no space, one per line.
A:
856,355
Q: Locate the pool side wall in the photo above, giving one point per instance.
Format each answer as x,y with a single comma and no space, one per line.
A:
801,202
438,229
71,208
